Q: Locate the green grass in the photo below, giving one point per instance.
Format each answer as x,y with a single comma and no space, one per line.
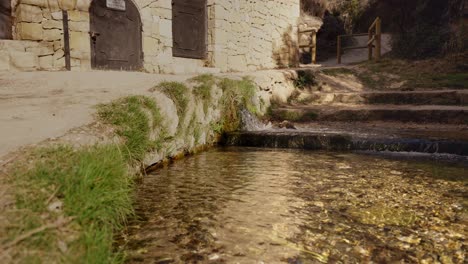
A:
451,80
179,93
293,116
427,74
237,94
305,78
338,71
202,90
134,117
95,188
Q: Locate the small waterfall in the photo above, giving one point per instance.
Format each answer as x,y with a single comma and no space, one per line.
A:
250,122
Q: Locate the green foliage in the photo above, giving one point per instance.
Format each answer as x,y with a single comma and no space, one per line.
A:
237,94
304,79
179,93
95,188
202,90
338,71
421,41
451,80
294,116
134,117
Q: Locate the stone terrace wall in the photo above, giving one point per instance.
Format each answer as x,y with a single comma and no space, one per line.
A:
38,24
243,35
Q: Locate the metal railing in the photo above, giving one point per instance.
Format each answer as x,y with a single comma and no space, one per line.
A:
375,41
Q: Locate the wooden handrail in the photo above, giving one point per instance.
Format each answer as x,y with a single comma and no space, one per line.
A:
375,36
312,45
354,35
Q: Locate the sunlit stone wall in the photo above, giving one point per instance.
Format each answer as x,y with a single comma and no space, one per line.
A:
253,34
243,35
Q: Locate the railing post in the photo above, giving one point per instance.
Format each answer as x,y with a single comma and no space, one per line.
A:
313,49
378,39
369,45
338,49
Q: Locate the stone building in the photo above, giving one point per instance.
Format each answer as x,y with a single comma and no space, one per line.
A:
158,36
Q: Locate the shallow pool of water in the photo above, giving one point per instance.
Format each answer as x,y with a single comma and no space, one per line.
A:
243,205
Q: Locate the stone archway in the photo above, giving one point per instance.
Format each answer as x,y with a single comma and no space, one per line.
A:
116,35
5,19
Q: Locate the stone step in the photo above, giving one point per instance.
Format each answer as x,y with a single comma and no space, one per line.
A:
436,97
367,136
402,113
345,142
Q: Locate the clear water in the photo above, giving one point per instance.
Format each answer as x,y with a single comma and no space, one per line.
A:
241,205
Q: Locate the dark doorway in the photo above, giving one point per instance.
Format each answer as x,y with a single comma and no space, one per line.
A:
189,23
5,19
115,32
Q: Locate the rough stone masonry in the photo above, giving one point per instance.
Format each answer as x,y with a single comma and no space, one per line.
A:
241,35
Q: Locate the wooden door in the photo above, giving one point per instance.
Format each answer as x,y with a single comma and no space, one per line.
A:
115,33
189,23
5,19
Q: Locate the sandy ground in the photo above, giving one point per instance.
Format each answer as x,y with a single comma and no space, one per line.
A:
35,106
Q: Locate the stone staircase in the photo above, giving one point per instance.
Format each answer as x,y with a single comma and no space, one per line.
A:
442,106
433,121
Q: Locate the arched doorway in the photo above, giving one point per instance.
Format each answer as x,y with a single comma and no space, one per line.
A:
5,19
115,31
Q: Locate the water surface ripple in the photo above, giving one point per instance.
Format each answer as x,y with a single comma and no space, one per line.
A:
243,205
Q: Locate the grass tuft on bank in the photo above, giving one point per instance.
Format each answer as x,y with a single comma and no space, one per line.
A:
90,186
237,94
179,93
134,117
202,90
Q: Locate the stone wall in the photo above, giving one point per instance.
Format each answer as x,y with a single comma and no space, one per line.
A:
254,34
243,35
38,38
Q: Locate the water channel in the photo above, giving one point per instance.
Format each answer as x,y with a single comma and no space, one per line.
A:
248,205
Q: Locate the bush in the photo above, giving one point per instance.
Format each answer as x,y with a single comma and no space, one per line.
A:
420,42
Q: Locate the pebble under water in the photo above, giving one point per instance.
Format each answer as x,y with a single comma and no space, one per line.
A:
245,205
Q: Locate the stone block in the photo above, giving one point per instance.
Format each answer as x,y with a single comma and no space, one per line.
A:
80,45
237,63
58,45
52,34
59,60
53,6
46,62
165,57
52,24
57,15
40,3
165,28
28,13
150,46
42,50
4,61
79,26
29,31
26,61
83,5
78,16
